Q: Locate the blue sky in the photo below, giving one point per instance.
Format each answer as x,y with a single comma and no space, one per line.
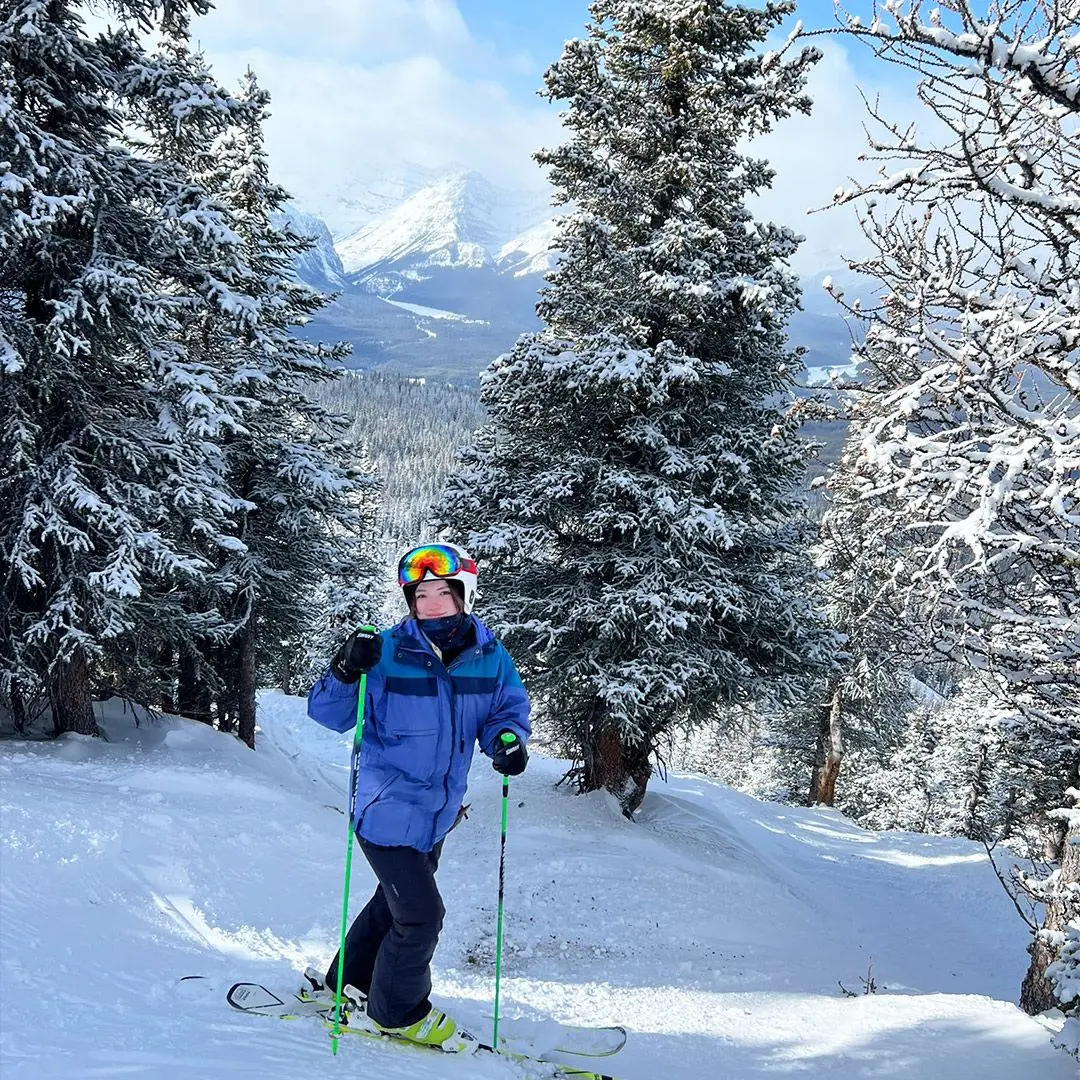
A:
536,29
365,88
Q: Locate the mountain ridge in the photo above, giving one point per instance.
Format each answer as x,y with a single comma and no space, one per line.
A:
460,244
461,220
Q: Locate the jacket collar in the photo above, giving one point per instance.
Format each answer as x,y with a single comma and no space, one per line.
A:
408,634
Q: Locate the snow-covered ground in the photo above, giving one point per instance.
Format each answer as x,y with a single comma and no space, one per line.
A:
716,927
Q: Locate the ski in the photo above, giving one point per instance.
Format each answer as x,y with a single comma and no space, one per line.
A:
256,1000
555,1069
574,1041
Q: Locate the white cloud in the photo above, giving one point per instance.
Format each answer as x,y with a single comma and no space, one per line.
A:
814,155
362,86
334,122
354,29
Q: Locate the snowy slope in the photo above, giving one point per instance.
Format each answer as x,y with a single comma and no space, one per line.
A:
320,265
461,220
716,927
531,251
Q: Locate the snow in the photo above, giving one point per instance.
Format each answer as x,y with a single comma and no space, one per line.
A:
461,220
817,375
430,312
531,251
716,927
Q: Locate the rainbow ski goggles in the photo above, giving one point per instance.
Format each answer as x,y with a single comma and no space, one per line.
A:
439,560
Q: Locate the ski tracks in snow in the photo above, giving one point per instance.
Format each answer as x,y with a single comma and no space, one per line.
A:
714,928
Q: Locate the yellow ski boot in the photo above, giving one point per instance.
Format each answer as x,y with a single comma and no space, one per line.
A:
436,1030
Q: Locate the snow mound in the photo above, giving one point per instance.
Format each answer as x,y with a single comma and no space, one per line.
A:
715,928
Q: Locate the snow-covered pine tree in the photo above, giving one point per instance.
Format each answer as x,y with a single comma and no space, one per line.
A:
856,550
943,769
412,429
977,240
106,424
171,666
632,500
306,498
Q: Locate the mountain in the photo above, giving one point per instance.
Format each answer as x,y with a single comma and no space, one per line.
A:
459,222
319,267
460,261
351,203
459,245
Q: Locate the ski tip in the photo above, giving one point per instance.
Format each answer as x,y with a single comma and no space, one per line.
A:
251,997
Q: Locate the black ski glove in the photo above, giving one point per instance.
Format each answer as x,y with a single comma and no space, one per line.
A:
510,756
358,655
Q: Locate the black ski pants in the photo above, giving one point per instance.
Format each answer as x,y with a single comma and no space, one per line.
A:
389,946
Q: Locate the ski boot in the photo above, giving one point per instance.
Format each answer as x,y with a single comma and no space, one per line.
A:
314,989
436,1030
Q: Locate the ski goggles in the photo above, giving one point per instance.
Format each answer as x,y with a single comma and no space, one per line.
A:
439,560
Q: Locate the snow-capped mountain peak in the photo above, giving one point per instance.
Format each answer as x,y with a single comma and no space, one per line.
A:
351,203
530,252
459,221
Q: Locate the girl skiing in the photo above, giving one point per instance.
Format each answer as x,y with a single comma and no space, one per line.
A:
437,684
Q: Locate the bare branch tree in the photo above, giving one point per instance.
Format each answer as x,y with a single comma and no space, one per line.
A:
975,227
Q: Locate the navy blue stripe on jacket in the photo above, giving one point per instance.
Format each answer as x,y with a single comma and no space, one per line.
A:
422,721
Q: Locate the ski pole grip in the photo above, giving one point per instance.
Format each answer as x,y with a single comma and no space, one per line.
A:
508,737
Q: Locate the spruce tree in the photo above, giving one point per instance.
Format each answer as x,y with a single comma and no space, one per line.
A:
106,422
305,498
632,501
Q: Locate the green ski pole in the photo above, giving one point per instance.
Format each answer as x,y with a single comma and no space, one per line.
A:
507,738
354,776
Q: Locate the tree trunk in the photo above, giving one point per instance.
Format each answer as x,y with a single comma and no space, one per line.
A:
614,765
1036,993
69,693
20,716
167,666
286,675
225,662
246,655
830,750
192,696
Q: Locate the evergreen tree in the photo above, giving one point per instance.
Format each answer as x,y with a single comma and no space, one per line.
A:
943,766
632,499
856,550
305,498
106,422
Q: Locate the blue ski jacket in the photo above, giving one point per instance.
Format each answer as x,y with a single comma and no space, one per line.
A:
421,723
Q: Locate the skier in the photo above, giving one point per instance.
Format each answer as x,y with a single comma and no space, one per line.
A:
437,683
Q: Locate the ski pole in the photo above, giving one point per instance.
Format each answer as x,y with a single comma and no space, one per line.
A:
354,776
507,738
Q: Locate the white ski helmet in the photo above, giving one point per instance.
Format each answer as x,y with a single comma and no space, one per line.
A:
438,562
